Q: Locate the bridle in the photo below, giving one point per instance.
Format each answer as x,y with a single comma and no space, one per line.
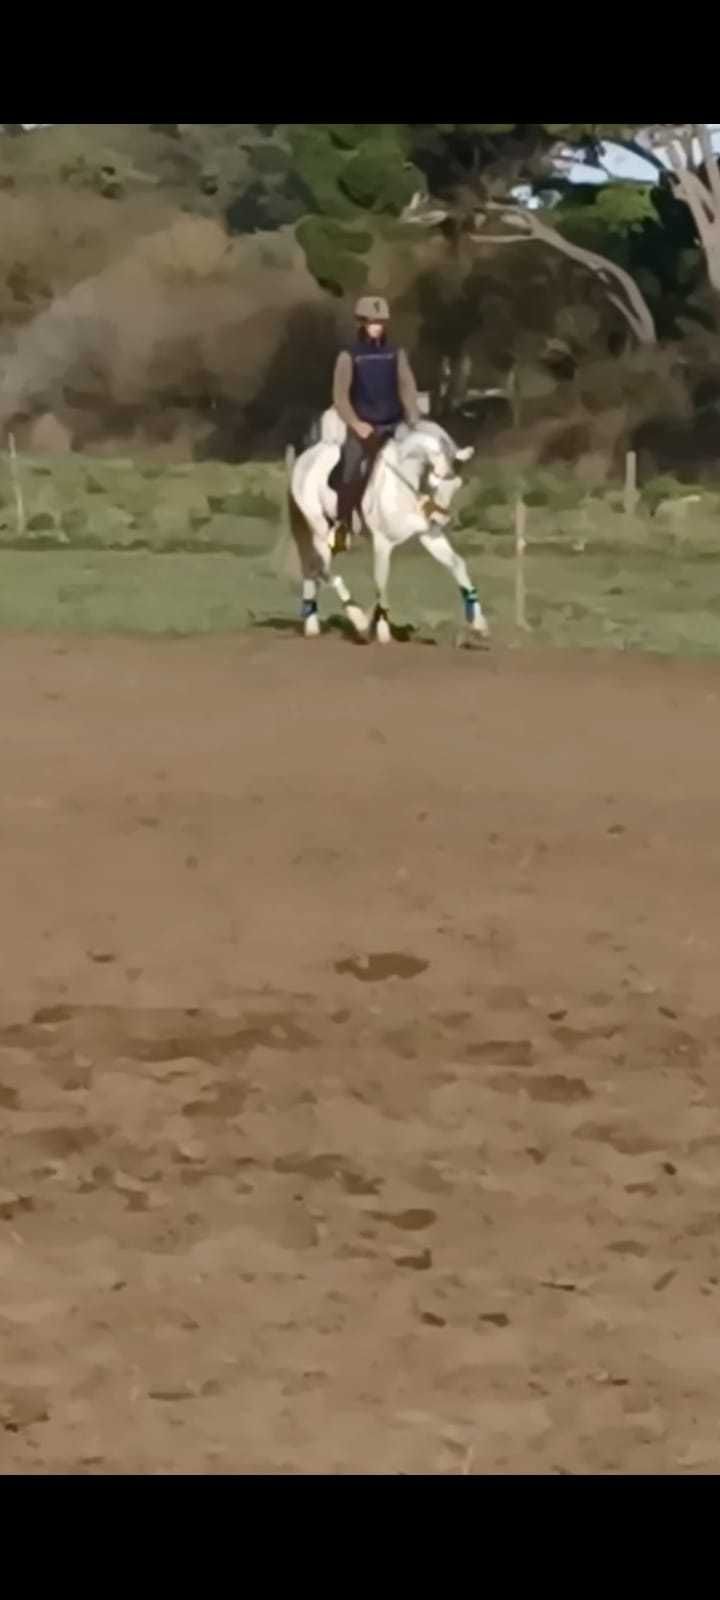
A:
426,503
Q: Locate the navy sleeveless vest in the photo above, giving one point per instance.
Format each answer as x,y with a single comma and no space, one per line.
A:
375,391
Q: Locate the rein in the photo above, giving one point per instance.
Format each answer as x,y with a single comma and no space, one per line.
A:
423,501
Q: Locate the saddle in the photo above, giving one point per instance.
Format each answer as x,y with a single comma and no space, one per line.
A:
366,466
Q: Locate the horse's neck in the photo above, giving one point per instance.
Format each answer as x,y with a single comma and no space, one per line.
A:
409,468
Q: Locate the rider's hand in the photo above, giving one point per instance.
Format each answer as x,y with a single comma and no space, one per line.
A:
364,430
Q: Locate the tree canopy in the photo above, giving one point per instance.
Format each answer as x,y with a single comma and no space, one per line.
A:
500,263
351,180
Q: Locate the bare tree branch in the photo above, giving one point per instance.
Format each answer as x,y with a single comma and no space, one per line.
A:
502,238
691,190
630,302
701,195
622,290
686,142
712,176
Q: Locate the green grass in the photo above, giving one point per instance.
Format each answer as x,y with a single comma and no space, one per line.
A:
633,600
103,504
137,592
590,600
122,547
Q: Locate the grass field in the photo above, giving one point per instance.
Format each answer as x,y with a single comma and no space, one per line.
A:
114,546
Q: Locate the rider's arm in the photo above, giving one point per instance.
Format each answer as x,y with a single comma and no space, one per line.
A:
408,390
342,382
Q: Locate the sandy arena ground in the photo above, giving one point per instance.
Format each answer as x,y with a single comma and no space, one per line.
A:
359,1048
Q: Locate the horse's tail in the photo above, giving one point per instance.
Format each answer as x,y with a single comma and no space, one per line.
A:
300,534
295,517
290,459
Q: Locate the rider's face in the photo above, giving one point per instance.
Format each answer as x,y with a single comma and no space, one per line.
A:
375,330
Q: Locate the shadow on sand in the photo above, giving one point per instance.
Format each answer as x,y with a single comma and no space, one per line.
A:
340,626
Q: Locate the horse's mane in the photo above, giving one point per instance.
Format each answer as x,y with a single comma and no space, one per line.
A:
410,440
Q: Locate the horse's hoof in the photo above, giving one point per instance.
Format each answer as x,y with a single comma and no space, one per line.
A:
479,624
382,631
357,617
311,626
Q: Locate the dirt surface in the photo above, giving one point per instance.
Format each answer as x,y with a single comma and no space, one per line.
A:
359,1042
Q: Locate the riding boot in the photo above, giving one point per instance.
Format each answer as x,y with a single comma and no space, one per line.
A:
346,498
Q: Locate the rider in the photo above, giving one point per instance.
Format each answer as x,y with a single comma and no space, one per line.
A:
373,390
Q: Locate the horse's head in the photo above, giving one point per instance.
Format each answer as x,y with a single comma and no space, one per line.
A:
440,459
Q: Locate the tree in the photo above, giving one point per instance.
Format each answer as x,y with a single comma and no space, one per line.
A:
356,175
528,226
696,181
357,172
477,166
687,173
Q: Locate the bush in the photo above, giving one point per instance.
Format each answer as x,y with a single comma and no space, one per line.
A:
372,179
334,254
664,487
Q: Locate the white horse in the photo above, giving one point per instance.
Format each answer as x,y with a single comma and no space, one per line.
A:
408,496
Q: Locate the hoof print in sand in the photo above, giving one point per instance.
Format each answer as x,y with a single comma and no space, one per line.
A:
419,1263
381,966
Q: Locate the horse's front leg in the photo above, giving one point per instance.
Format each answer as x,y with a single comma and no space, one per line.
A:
353,612
310,613
440,548
382,551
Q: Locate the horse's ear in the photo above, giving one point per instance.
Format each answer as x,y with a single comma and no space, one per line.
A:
466,454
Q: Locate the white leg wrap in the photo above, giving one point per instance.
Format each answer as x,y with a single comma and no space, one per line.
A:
355,614
311,620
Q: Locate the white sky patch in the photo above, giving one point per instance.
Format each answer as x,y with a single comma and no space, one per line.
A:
625,165
618,164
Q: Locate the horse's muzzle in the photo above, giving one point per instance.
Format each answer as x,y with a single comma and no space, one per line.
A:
434,513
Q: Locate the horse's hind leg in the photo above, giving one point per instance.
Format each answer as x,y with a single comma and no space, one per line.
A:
317,569
440,548
381,569
305,539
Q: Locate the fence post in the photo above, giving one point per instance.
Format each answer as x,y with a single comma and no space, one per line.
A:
520,548
630,492
17,489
